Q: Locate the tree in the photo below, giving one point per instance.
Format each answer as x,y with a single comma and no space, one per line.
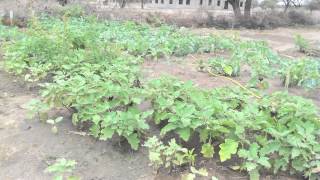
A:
122,3
236,8
286,4
297,3
237,11
314,5
247,8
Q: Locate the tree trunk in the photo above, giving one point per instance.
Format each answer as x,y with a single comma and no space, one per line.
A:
286,5
142,4
247,9
236,8
123,4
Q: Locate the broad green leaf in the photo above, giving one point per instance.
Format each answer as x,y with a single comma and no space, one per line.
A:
250,166
184,133
96,119
264,161
204,134
106,133
228,148
295,153
253,151
207,150
95,130
134,141
271,147
169,127
155,157
228,70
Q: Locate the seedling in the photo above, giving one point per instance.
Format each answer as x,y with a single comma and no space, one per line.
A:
54,123
301,43
61,168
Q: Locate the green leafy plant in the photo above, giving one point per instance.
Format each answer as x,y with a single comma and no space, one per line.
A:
92,68
207,150
60,169
301,43
168,156
225,67
228,148
127,124
36,108
302,72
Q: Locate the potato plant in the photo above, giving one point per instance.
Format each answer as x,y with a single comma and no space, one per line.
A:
267,134
225,67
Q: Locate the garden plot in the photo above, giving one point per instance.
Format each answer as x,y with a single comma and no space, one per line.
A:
96,75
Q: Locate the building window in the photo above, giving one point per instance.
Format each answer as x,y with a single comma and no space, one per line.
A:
170,1
210,2
156,1
201,1
226,5
162,1
241,4
187,2
218,3
180,1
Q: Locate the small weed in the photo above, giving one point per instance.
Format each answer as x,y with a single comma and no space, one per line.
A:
301,43
61,168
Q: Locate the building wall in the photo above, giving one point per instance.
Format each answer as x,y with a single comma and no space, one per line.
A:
176,4
192,4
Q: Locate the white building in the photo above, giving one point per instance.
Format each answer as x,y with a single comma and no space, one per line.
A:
177,4
192,4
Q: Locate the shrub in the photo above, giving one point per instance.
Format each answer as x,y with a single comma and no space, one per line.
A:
266,20
300,18
223,22
314,5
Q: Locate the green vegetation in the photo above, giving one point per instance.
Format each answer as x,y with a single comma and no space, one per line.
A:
92,68
61,167
301,43
224,67
170,155
303,72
